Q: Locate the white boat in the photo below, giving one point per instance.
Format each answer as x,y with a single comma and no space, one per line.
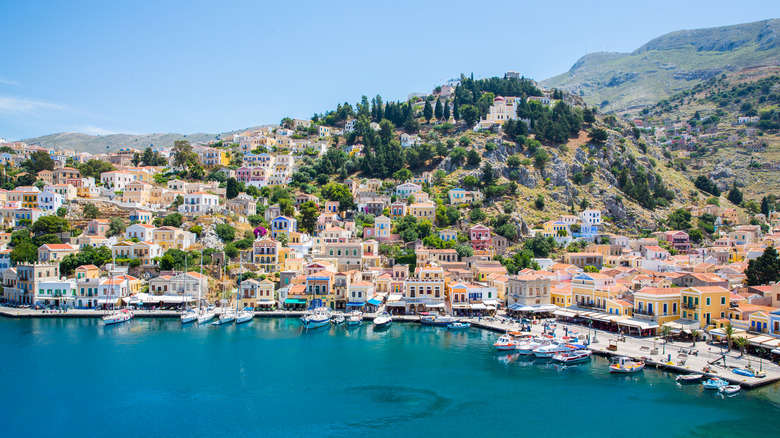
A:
577,356
459,326
189,316
244,315
714,383
729,389
438,320
689,378
225,317
205,315
117,317
383,320
317,318
505,343
528,346
355,318
337,319
625,365
549,350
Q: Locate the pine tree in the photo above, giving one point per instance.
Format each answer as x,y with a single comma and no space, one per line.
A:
735,196
438,111
446,111
455,112
765,206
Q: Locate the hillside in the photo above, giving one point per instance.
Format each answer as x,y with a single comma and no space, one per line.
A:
668,64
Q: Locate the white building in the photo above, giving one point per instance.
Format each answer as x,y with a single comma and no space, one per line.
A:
50,201
116,179
199,202
143,232
591,217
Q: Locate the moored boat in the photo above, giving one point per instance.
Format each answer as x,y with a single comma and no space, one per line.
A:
205,315
337,319
505,343
383,320
319,317
689,378
437,320
226,317
355,318
547,351
729,389
244,316
714,383
117,317
625,365
459,326
189,316
748,372
577,356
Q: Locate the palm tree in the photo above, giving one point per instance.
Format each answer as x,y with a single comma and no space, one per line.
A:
729,332
695,334
741,343
666,331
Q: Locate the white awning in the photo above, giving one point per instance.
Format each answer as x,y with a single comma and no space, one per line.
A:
266,303
395,297
460,306
478,306
108,301
435,306
638,323
396,304
564,313
490,302
684,324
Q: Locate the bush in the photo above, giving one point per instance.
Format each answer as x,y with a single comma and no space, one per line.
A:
539,202
225,232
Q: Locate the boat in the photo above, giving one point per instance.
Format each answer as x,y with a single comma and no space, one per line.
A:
117,317
571,357
528,346
338,319
625,365
355,318
689,378
729,389
748,372
505,343
225,317
549,350
437,320
459,326
383,320
318,317
189,316
714,383
245,315
206,315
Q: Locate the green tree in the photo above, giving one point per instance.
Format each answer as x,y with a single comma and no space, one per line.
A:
464,251
470,114
25,252
307,217
62,211
116,227
231,251
735,195
598,135
173,220
225,232
427,111
232,188
765,206
679,219
50,225
38,161
438,111
446,114
90,211
183,154
477,215
402,175
763,270
334,191
540,158
539,202
473,158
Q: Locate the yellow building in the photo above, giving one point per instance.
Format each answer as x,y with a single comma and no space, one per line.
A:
619,307
657,304
423,210
561,295
705,303
593,289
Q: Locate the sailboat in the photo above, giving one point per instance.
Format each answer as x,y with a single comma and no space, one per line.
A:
189,315
228,314
119,315
245,314
204,314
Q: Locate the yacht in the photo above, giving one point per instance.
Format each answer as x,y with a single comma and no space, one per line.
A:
438,320
189,316
383,320
225,317
245,315
317,318
205,315
549,350
117,317
355,318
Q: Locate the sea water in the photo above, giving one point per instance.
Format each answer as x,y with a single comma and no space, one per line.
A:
155,377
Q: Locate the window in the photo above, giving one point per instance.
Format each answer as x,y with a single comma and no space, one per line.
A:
708,301
723,300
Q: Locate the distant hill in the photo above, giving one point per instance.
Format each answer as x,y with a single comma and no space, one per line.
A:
669,64
108,143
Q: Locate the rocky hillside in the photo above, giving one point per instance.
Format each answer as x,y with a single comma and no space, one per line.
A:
668,64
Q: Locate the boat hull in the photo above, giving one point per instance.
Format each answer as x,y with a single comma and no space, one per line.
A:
202,319
382,324
111,320
626,370
505,347
354,323
186,319
244,319
313,323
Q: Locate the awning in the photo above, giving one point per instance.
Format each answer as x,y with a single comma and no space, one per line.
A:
374,302
435,306
775,351
460,306
638,323
396,304
478,306
294,301
356,304
107,300
684,324
266,303
490,302
564,313
395,297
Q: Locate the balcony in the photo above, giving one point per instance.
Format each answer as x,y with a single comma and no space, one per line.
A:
689,306
591,305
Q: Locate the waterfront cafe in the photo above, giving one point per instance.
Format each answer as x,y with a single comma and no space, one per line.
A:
145,300
535,311
605,321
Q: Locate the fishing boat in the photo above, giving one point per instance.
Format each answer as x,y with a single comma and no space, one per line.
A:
355,318
547,351
689,378
459,326
748,372
505,343
625,365
571,357
337,319
437,320
729,389
117,317
318,317
245,315
714,383
383,320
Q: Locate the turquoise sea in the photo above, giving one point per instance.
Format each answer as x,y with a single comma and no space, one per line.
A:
78,378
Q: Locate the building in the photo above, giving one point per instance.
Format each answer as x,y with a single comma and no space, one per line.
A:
528,290
55,252
705,304
30,276
660,305
199,202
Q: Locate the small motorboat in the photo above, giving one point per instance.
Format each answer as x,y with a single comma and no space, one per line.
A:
729,389
383,320
689,378
459,326
625,365
572,357
355,318
437,320
747,372
528,346
505,343
549,350
714,383
338,319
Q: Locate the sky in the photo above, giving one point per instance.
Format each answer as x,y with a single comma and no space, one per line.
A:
142,67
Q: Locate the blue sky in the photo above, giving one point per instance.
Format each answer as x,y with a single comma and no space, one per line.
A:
103,67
